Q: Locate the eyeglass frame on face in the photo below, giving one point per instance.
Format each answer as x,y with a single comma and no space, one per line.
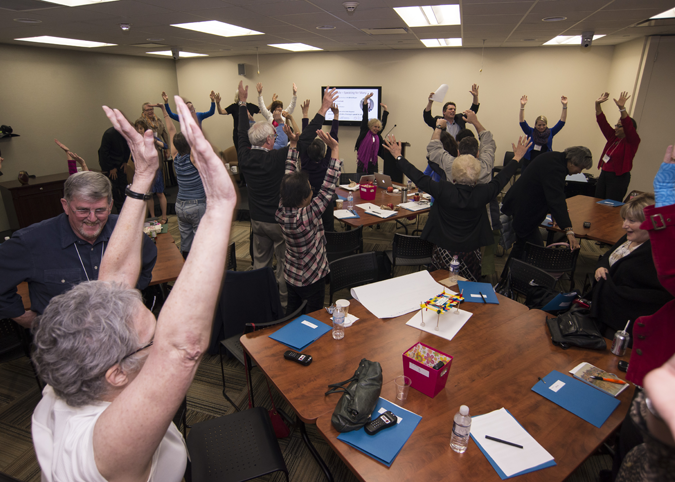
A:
80,212
136,351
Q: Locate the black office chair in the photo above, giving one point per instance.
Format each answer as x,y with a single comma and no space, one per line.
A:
355,270
409,251
235,448
15,339
508,157
555,260
232,258
346,177
524,276
7,478
343,243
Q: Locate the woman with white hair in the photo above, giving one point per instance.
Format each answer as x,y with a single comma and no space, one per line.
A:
458,223
115,375
369,143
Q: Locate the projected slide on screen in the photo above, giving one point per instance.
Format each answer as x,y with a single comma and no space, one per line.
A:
350,101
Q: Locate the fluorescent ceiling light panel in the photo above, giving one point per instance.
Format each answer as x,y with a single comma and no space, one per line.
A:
46,39
442,42
77,3
429,15
181,54
667,14
569,40
214,27
294,47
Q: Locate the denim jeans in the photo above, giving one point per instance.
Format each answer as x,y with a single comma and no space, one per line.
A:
189,214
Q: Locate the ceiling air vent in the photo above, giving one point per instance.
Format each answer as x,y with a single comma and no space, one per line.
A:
386,31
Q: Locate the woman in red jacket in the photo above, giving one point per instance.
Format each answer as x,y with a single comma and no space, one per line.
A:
616,161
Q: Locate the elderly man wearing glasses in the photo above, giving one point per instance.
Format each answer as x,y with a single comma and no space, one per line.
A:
58,253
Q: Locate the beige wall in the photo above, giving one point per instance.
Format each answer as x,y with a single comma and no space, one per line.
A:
52,93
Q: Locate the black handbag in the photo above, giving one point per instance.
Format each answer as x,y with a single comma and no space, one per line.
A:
576,328
359,398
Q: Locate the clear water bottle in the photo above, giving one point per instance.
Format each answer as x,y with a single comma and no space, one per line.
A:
410,185
461,428
454,265
338,323
350,201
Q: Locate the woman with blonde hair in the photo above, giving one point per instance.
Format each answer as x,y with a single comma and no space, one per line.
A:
542,136
369,143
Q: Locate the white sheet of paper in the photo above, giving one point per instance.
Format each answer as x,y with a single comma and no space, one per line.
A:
367,206
448,327
576,178
511,460
380,213
439,95
347,188
343,214
398,296
415,206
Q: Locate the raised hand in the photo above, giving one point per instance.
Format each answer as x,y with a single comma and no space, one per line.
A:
520,149
470,116
474,90
523,101
392,146
61,145
243,92
384,106
165,97
563,100
217,97
142,146
365,99
275,97
329,97
217,182
622,100
259,87
295,89
284,113
430,97
668,158
603,98
325,137
305,108
212,96
442,123
334,109
292,136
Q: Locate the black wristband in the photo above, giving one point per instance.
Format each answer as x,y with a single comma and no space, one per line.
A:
136,195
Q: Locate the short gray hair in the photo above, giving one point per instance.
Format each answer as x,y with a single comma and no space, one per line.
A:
579,156
465,170
259,132
81,334
89,185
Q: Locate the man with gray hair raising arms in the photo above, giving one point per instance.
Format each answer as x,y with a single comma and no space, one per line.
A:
263,167
58,253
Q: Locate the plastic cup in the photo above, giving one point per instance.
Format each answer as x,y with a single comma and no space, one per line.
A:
402,387
345,306
339,203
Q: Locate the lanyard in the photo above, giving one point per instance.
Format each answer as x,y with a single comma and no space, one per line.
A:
81,263
613,148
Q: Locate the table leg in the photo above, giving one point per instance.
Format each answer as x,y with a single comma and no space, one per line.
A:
317,457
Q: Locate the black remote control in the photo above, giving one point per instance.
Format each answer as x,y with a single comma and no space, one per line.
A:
386,420
301,358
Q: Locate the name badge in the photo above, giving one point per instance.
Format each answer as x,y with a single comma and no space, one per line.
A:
536,147
605,158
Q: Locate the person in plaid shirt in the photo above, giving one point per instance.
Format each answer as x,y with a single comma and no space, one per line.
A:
306,263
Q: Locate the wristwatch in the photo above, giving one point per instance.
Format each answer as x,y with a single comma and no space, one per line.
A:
399,158
136,195
439,127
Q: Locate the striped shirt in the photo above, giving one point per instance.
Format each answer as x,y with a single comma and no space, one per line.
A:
306,261
189,183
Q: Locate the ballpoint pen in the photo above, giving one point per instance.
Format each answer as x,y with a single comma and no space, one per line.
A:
503,441
613,380
482,297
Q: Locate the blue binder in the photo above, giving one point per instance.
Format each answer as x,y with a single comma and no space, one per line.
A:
562,301
468,288
301,332
610,202
385,445
499,471
575,396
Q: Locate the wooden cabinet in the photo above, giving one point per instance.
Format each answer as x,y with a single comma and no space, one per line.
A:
38,200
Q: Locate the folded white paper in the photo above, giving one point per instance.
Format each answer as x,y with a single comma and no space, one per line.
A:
439,95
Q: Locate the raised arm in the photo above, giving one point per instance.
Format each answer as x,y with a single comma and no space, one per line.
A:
212,110
171,129
563,116
221,111
290,121
242,129
441,125
474,94
523,103
261,104
471,118
599,101
336,121
621,104
291,106
71,156
165,98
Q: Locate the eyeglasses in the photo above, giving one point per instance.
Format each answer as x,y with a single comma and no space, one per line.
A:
84,213
140,349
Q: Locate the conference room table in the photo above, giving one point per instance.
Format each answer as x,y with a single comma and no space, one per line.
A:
382,197
167,268
605,220
498,356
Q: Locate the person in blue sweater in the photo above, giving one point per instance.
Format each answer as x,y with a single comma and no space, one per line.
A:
200,116
541,135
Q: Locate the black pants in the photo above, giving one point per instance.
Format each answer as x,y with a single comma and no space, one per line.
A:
314,294
119,185
372,168
611,186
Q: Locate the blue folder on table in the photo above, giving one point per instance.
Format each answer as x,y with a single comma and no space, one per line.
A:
561,302
472,292
301,332
610,202
499,471
385,445
575,396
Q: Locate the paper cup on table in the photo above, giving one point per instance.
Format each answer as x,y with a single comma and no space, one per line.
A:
344,304
339,203
402,387
439,95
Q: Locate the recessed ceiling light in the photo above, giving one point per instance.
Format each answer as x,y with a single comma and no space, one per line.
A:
181,54
325,27
154,39
554,19
46,39
296,47
667,14
442,42
569,40
27,20
78,3
429,15
215,27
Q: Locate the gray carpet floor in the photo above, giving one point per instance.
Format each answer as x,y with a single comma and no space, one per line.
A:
19,393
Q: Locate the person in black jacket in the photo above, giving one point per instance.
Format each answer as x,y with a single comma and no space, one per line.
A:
113,156
369,142
627,285
458,222
541,190
456,122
